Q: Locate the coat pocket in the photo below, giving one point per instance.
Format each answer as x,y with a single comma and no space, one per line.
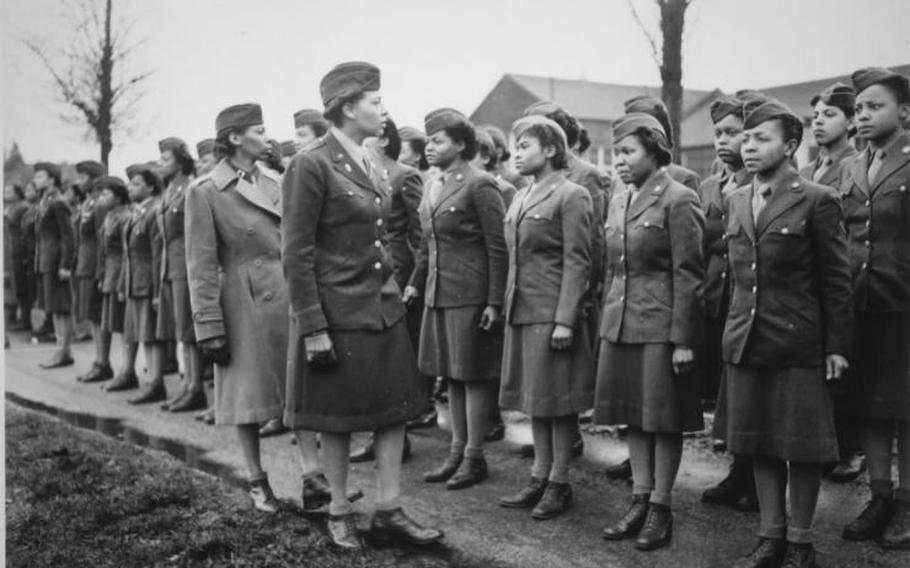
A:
650,220
265,281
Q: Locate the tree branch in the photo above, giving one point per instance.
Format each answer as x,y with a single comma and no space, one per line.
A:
655,52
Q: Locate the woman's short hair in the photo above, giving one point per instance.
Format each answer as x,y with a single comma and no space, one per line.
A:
655,145
463,133
185,159
547,137
418,145
335,113
151,179
569,125
392,148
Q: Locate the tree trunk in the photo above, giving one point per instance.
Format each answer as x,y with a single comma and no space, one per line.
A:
106,100
672,21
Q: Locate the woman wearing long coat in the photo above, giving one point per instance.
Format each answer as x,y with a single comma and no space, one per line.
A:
651,327
351,366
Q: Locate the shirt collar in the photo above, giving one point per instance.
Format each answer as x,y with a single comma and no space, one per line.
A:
354,150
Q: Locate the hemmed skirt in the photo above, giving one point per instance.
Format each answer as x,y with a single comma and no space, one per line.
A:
636,386
164,325
182,312
374,384
140,321
786,414
113,312
87,299
452,345
54,295
542,382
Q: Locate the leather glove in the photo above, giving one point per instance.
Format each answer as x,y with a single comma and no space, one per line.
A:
216,350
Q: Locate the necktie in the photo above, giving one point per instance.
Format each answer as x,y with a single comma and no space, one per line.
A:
822,169
875,165
759,199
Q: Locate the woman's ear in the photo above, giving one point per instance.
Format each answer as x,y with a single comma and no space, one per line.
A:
235,138
549,152
790,147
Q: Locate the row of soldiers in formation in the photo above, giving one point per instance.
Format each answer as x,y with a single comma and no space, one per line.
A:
550,290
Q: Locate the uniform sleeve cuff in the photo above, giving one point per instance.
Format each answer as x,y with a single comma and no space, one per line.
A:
310,320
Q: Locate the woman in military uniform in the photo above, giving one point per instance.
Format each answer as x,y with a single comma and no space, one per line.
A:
787,333
651,324
547,370
875,189
54,259
309,126
348,332
205,150
460,272
115,196
413,143
15,207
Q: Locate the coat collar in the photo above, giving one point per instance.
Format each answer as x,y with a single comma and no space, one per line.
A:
897,155
786,193
539,192
344,164
455,180
740,202
264,194
648,194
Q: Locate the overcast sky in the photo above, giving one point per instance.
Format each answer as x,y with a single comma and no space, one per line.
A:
207,54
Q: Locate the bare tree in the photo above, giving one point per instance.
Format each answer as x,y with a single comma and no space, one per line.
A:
667,55
90,74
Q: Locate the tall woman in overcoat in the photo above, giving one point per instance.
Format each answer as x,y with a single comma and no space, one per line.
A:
653,308
547,368
351,366
788,330
875,188
460,272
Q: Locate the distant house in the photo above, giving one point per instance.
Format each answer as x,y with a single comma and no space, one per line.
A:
597,105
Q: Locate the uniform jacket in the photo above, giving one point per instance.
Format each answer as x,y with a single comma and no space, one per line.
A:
406,186
684,176
511,176
655,268
877,218
335,243
235,277
13,216
88,222
53,234
112,239
139,276
790,298
462,256
599,186
713,193
832,175
507,190
170,224
548,235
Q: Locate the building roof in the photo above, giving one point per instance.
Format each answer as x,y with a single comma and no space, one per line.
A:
591,100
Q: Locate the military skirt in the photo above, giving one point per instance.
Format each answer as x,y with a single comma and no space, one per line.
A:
87,300
542,382
375,382
877,384
452,345
165,325
182,313
140,322
783,413
54,295
113,312
636,386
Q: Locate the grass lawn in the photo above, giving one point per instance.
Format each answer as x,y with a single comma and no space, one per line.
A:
78,498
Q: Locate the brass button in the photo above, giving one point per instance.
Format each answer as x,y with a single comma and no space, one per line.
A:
378,266
249,231
268,296
868,203
377,243
865,265
378,222
377,201
754,266
258,262
752,312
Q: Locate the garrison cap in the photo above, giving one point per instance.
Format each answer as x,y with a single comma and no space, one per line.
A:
91,168
838,94
348,79
49,168
307,116
238,117
288,148
206,146
170,143
485,141
653,106
444,118
897,83
499,139
134,170
520,126
773,110
725,105
543,108
410,133
631,122
110,182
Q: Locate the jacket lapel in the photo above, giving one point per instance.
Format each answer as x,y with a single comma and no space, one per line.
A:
896,158
540,194
786,195
859,172
454,183
346,166
648,195
257,196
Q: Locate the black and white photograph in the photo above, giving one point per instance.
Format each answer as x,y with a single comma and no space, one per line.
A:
476,284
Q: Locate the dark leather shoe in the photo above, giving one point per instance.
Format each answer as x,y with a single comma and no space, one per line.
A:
848,469
872,521
556,500
97,374
729,490
192,400
897,533
440,390
471,472
396,524
527,497
316,494
427,420
768,553
273,427
343,531
209,417
57,362
748,503
526,450
658,529
630,524
445,471
263,498
364,454
171,402
620,471
799,556
122,382
495,433
155,392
